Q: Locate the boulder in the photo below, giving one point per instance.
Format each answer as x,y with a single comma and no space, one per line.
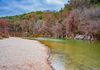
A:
79,37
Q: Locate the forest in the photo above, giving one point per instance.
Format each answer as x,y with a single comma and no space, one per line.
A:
79,19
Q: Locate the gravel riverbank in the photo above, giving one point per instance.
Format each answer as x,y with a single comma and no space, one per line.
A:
23,54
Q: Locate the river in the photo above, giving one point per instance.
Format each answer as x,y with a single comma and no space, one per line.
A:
73,54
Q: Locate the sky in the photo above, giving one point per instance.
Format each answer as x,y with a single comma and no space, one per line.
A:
16,7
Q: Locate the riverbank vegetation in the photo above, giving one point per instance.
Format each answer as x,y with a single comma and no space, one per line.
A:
79,19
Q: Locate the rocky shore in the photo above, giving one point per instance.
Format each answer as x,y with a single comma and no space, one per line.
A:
22,54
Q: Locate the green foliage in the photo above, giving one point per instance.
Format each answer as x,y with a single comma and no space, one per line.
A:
97,5
95,1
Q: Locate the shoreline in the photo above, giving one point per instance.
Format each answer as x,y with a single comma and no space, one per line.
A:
48,59
49,55
31,54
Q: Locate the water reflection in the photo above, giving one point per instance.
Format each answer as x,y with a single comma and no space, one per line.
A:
57,62
64,62
74,54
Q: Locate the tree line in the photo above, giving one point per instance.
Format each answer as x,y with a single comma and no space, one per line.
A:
78,19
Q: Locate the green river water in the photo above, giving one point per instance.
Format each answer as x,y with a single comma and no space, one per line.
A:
73,54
